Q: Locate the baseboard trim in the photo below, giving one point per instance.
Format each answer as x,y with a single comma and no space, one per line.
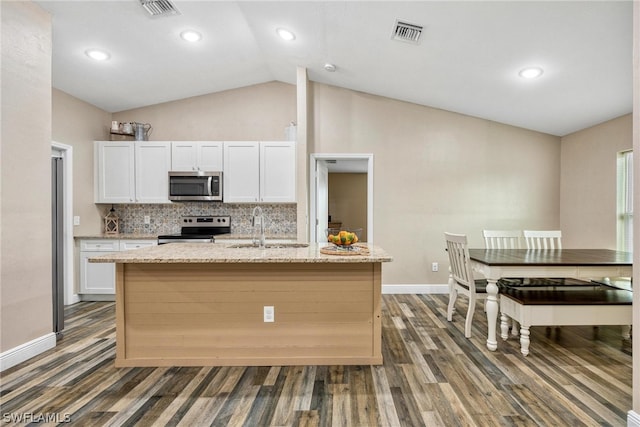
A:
633,419
415,289
26,351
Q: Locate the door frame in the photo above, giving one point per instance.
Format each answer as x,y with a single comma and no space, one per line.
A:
313,214
66,152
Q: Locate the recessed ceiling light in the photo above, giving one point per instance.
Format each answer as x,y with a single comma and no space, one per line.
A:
285,34
329,67
97,54
530,72
191,36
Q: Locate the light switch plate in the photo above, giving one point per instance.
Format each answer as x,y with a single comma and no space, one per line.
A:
76,220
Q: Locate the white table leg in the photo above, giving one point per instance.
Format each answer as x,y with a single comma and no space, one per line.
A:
626,332
504,326
524,340
492,313
515,326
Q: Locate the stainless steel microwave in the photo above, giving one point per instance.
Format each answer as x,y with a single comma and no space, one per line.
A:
195,186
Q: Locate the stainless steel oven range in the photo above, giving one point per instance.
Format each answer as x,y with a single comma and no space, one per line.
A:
201,229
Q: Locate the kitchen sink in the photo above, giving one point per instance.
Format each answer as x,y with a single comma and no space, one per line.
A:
271,245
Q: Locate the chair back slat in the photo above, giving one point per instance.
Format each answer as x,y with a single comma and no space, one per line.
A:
502,239
459,260
543,239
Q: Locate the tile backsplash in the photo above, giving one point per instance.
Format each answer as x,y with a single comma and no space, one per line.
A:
165,218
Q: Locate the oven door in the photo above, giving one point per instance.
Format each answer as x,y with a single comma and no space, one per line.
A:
199,186
186,238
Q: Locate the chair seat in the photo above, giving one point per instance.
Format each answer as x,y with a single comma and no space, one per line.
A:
590,294
540,281
481,286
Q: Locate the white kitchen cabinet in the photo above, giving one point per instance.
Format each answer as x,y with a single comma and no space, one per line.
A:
132,172
263,172
197,156
277,172
152,165
241,179
114,167
99,279
126,245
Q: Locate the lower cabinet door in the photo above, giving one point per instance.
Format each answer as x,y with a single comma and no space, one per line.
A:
96,278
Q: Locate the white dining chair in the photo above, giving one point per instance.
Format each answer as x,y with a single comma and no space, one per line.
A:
461,279
543,239
502,239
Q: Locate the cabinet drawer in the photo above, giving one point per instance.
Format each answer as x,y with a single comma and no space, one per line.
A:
99,245
135,244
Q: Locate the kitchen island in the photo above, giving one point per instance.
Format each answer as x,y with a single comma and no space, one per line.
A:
198,304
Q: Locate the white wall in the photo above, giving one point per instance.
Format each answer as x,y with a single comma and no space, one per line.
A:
25,176
438,171
588,183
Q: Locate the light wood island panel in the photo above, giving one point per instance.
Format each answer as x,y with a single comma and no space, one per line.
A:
211,314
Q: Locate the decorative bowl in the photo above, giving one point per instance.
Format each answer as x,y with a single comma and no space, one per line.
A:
343,237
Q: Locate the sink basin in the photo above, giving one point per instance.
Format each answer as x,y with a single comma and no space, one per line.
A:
271,245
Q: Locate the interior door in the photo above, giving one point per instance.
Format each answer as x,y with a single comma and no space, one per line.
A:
322,199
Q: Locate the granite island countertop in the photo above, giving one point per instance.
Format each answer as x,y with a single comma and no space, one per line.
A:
183,253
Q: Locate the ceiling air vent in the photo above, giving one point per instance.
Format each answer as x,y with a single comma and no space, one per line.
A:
159,7
406,32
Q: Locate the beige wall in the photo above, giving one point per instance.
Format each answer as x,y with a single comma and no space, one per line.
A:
78,124
588,183
25,163
348,200
438,171
259,112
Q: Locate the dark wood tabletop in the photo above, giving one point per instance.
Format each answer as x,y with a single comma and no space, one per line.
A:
551,257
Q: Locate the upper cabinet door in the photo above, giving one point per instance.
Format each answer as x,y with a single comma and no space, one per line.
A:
241,177
114,168
210,156
196,155
277,172
153,161
184,156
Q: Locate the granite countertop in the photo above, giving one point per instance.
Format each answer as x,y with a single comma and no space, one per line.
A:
226,253
119,236
147,236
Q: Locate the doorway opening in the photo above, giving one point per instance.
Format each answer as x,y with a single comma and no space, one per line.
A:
341,187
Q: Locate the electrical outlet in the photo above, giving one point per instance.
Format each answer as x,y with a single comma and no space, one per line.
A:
269,313
434,266
76,220
147,219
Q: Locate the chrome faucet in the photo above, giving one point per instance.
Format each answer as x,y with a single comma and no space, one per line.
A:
258,219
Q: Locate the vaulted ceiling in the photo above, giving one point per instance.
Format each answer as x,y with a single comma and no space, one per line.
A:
467,59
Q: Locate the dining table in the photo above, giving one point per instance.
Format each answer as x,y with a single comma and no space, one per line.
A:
585,264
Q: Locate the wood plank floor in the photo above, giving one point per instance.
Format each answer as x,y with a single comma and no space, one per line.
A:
432,376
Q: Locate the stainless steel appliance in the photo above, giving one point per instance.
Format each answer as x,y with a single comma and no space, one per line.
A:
199,229
195,186
57,248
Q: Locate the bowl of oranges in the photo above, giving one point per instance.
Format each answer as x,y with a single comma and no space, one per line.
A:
343,237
